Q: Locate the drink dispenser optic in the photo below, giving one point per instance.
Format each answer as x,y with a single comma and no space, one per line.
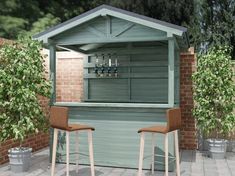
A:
103,66
115,67
110,66
96,65
106,68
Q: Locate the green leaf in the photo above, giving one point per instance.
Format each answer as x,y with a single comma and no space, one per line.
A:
214,91
20,111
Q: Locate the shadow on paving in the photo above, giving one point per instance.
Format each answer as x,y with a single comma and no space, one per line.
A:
193,163
83,171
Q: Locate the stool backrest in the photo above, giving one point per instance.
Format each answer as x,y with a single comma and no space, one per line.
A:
59,117
173,119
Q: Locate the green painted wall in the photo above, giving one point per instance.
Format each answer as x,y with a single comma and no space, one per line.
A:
116,141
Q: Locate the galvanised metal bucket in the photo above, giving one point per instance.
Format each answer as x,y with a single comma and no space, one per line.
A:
217,148
20,159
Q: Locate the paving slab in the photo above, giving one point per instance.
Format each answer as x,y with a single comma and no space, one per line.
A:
193,163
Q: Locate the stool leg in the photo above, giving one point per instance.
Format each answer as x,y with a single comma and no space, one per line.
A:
67,153
77,149
54,151
91,152
177,153
153,152
166,154
141,153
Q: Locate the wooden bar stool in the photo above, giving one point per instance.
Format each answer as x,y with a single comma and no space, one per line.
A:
173,124
59,121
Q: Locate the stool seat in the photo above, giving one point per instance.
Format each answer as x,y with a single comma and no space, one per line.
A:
74,127
154,129
77,127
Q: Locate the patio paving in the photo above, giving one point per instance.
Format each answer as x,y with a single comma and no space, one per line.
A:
193,163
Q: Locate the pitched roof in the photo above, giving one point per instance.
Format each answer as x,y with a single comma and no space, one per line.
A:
112,11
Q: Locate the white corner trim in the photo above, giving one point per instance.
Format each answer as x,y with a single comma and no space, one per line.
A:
69,55
65,54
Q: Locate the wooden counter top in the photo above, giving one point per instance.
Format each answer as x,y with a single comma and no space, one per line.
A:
113,105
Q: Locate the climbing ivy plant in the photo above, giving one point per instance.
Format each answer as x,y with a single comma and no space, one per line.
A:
22,80
214,92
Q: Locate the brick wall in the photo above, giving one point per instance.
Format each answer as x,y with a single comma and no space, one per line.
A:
188,138
69,78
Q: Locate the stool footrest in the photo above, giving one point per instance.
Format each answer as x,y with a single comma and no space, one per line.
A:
163,163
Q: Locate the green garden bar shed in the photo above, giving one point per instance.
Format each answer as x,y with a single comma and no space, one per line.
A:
131,76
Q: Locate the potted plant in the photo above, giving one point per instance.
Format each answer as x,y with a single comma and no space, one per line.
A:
214,91
22,81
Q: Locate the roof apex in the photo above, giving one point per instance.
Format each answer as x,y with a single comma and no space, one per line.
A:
111,11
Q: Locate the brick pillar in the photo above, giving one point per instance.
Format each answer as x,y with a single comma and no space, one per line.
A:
188,131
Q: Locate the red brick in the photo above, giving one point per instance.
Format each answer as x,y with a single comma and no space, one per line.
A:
69,80
188,130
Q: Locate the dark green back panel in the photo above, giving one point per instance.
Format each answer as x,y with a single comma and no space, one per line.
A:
141,78
146,90
107,89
